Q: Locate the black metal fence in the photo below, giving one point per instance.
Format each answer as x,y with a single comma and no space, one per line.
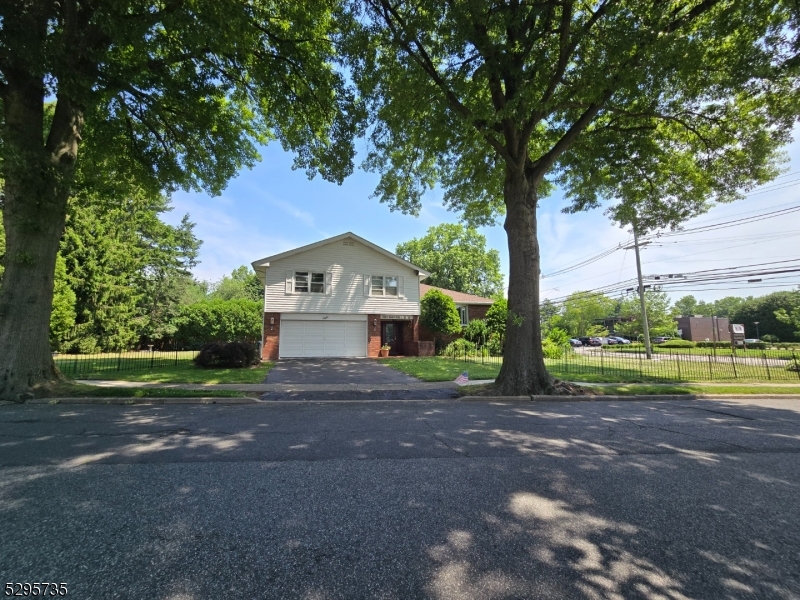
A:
665,365
76,364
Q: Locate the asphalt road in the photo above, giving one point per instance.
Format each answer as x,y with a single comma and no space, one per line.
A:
404,500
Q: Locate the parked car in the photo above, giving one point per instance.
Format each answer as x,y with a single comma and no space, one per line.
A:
610,341
575,342
661,339
753,341
590,341
620,340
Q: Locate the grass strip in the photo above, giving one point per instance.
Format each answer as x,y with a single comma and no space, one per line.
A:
185,373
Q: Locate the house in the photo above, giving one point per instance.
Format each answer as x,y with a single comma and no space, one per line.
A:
340,297
701,329
469,307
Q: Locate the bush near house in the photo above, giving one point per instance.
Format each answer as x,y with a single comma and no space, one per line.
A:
233,355
678,344
219,321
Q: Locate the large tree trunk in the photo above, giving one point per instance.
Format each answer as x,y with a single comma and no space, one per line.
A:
37,178
523,371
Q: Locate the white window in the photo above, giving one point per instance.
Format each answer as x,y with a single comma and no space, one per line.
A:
385,285
305,282
377,285
462,313
390,286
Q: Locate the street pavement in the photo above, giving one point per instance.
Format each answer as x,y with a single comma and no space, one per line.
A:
432,499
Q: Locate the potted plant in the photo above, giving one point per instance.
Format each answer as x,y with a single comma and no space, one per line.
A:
385,350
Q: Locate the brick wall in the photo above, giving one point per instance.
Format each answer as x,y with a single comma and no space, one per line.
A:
698,329
373,335
269,351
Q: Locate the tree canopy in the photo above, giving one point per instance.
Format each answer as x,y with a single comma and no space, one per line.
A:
496,101
169,95
457,259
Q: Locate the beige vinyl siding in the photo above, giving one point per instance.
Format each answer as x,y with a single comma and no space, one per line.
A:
347,266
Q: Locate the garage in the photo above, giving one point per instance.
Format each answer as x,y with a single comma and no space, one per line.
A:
325,336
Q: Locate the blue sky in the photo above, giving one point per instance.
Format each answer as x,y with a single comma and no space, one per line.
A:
273,208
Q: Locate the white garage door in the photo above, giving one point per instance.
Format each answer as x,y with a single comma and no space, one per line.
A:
323,338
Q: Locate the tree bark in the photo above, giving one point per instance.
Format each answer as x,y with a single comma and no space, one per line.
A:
523,371
37,175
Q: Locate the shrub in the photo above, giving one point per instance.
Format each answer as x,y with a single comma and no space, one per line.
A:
438,313
677,344
219,321
497,315
231,355
495,344
558,336
713,344
477,331
460,347
552,350
757,346
769,338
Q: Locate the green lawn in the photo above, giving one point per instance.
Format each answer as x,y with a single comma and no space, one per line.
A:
185,373
732,390
594,369
434,368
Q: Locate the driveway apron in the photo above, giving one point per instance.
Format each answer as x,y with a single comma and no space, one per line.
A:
356,372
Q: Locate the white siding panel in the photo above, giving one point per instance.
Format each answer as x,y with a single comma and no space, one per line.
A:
347,265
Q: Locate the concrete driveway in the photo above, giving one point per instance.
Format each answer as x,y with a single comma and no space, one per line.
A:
335,371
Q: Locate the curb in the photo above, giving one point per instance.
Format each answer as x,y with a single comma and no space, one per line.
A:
133,401
630,398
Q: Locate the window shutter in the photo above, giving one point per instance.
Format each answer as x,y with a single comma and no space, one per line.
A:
400,287
289,281
328,280
367,284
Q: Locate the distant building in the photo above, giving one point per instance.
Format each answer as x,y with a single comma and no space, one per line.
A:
701,329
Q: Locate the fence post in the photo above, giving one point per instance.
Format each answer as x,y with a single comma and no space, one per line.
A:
766,364
796,367
119,360
678,360
602,362
710,371
733,362
176,356
152,356
641,371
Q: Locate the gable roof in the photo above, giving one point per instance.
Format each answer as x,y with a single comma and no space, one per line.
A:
264,262
458,297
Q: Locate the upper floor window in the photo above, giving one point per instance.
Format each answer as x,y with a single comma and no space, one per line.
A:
462,313
305,281
384,285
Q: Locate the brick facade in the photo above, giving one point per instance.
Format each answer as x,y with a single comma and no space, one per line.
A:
373,336
699,329
272,332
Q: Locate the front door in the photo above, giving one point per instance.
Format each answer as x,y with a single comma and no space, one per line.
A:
392,336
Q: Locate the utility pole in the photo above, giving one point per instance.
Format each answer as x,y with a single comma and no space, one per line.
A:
648,350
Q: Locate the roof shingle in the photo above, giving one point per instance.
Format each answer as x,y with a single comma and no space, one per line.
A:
458,297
